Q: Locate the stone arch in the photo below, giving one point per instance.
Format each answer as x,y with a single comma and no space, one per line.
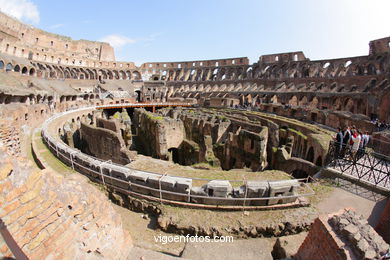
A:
310,154
110,75
314,103
128,74
349,105
67,74
137,75
115,74
9,67
274,99
32,72
303,101
17,68
122,75
371,69
24,71
223,87
337,104
231,87
293,101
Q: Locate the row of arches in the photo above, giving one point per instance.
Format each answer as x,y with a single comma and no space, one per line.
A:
43,99
283,87
51,71
359,66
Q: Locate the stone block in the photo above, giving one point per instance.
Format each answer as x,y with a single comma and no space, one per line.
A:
282,188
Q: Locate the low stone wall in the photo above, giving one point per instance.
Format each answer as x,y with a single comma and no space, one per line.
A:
57,217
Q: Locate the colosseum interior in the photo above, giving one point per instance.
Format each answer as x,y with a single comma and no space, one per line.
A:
100,157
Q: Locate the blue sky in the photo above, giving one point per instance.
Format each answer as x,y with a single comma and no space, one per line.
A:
179,30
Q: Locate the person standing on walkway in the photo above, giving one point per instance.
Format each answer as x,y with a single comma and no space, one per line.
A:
346,139
356,139
339,142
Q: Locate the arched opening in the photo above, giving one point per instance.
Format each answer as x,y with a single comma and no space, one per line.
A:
310,155
349,105
299,174
32,72
136,75
138,95
371,70
17,68
8,67
174,155
1,64
319,161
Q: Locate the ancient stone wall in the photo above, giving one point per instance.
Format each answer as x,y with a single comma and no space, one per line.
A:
383,226
26,41
344,235
104,144
58,217
381,142
156,134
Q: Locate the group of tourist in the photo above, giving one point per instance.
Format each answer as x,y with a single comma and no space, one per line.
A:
380,126
351,140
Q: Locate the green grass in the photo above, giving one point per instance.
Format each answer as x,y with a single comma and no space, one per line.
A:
154,117
52,161
299,133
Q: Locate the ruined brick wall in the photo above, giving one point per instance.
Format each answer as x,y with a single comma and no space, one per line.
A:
344,235
158,134
111,124
9,137
56,216
381,142
104,144
383,227
320,243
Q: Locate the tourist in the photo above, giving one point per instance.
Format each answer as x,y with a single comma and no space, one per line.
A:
356,139
339,142
346,139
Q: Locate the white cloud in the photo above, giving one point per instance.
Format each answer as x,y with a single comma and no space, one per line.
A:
21,9
55,26
117,41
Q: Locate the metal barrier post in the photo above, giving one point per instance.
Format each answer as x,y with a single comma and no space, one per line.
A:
159,186
11,243
101,172
71,159
246,193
